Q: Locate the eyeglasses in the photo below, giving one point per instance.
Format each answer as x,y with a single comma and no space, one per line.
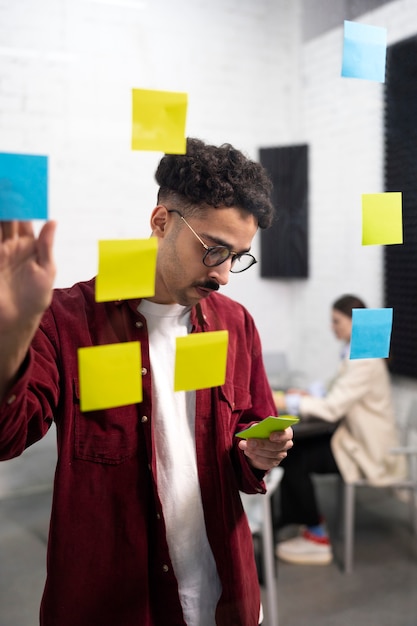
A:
216,255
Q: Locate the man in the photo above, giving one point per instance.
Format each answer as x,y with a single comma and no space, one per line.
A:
147,527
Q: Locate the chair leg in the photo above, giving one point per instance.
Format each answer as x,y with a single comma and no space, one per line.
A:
340,503
349,521
269,562
413,505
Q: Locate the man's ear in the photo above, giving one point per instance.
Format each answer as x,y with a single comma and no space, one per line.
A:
159,218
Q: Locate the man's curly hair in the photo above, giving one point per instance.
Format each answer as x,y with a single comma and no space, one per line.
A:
215,177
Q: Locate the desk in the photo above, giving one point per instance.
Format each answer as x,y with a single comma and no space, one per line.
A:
313,427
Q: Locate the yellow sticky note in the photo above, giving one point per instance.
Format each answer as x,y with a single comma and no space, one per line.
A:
200,360
110,375
382,218
158,120
126,269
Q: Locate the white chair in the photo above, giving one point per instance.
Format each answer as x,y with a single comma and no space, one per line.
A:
277,370
259,513
279,374
409,450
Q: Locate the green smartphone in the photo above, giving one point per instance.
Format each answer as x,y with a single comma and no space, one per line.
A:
263,429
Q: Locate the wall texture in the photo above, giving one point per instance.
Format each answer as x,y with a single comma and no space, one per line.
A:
343,124
67,68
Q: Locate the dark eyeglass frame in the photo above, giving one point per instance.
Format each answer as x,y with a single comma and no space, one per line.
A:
209,250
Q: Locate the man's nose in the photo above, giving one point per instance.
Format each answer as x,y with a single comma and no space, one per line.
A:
220,273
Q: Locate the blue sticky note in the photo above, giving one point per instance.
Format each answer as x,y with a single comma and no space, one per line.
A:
364,51
371,333
23,186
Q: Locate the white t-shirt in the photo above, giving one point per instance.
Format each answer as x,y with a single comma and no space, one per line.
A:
173,415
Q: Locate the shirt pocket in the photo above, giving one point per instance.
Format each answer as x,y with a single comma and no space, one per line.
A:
238,399
233,402
106,436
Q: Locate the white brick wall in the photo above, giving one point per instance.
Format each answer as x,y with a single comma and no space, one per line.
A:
343,124
342,121
67,68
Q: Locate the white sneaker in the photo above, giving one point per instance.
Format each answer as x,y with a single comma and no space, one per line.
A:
307,549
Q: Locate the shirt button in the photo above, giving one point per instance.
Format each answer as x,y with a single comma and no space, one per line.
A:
165,568
144,371
158,516
144,419
138,324
11,399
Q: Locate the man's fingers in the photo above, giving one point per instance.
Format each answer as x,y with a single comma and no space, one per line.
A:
8,230
25,229
45,244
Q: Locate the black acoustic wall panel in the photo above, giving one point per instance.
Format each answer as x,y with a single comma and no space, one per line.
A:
284,246
400,261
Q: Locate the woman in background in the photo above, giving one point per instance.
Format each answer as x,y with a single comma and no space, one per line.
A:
359,402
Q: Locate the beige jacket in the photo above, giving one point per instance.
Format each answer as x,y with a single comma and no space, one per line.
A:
361,394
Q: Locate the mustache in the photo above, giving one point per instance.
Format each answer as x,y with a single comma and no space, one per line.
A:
209,284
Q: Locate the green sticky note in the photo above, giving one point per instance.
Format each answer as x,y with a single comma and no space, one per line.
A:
269,425
200,360
382,218
126,269
110,375
158,120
